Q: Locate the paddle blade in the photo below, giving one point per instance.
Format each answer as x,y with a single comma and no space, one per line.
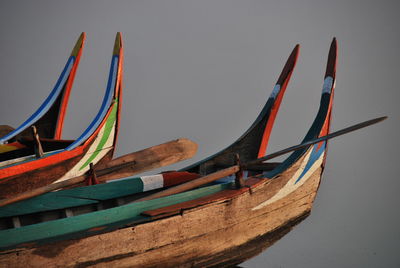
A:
154,157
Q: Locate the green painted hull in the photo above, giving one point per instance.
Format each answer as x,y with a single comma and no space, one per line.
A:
96,222
74,197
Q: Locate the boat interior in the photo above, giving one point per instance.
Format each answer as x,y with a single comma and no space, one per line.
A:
80,201
28,146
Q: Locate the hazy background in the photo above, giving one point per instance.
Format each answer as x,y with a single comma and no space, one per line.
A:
203,70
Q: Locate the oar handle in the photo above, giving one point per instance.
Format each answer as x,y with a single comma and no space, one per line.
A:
317,140
232,170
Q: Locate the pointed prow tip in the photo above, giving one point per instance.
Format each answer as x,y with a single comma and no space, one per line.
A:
334,44
295,52
332,60
291,61
289,65
79,44
118,43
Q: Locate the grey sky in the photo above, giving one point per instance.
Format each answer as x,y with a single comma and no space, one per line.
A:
203,70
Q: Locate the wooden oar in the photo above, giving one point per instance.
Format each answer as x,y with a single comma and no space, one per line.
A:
323,138
154,157
232,170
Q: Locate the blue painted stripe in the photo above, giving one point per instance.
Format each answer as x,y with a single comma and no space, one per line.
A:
266,109
312,133
104,106
275,91
328,84
315,155
46,105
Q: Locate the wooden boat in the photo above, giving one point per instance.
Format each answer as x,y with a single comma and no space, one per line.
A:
215,225
95,146
48,118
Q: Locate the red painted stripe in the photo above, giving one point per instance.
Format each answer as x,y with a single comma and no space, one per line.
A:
271,120
119,95
274,111
327,123
178,177
40,163
68,87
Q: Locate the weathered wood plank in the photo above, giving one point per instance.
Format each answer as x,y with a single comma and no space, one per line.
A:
223,225
105,220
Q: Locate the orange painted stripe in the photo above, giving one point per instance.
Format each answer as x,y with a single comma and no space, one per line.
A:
40,163
68,87
52,159
274,111
119,95
178,177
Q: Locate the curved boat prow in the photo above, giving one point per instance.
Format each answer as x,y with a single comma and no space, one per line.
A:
253,143
101,135
320,126
49,117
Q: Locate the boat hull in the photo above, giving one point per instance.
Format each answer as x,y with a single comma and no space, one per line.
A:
221,233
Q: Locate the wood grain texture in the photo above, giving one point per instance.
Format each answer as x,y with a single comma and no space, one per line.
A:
204,233
150,158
